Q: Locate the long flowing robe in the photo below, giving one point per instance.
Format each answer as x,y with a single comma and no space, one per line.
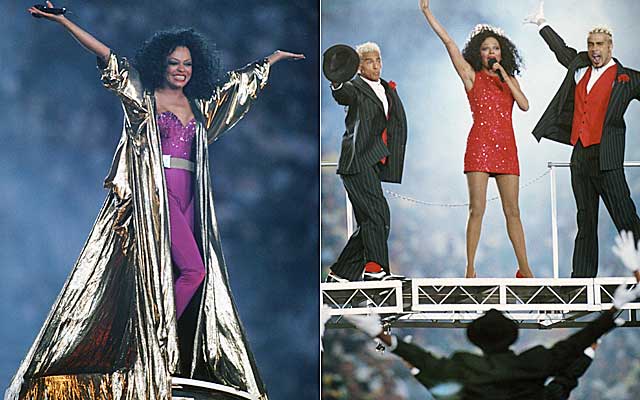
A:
111,333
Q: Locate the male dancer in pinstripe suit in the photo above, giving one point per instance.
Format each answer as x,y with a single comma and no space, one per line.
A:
373,148
588,113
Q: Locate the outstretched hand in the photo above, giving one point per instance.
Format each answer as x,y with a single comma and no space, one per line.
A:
623,296
536,17
52,17
284,55
625,250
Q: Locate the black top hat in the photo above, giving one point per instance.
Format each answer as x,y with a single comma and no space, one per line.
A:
493,332
340,63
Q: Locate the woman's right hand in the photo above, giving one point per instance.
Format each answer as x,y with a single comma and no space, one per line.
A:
83,37
37,13
424,5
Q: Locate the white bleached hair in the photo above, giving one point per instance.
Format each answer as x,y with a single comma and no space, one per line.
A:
366,48
602,29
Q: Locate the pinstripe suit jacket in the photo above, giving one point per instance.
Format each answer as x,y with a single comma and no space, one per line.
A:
555,123
362,144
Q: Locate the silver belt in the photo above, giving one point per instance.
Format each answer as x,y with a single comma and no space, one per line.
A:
169,161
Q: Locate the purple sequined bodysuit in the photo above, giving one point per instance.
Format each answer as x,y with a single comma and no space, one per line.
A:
177,141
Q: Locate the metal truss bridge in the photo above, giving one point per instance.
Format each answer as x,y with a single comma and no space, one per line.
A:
455,302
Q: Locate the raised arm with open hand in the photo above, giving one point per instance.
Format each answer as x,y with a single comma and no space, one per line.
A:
536,17
83,37
283,55
625,250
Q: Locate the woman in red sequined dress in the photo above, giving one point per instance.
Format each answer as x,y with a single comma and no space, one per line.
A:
487,66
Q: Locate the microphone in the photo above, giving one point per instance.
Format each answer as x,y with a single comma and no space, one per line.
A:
48,10
492,61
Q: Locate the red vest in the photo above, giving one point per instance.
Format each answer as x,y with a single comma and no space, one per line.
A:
590,109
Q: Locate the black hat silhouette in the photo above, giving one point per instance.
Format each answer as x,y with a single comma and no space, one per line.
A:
493,332
340,63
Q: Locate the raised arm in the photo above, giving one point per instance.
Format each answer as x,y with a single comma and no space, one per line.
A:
437,370
564,54
626,250
561,386
83,37
463,68
563,353
280,55
231,101
115,73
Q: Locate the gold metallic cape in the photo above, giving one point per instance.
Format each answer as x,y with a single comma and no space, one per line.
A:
111,333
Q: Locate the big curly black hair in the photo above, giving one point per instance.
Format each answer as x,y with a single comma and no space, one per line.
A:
511,59
151,61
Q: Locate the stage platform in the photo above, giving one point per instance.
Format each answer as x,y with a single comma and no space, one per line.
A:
454,302
192,389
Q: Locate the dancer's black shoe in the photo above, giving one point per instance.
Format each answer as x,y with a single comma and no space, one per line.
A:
332,277
382,276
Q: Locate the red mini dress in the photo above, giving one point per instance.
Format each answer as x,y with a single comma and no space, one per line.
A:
491,145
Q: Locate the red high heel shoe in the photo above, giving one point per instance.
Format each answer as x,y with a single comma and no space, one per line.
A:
518,274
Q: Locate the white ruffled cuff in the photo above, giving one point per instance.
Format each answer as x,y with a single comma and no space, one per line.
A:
590,352
394,343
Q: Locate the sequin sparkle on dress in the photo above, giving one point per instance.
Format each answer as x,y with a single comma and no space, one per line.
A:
491,145
177,139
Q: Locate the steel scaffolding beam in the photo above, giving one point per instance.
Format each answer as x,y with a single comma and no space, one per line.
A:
454,302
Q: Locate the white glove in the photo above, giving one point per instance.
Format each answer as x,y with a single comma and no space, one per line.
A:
369,324
625,250
536,17
623,296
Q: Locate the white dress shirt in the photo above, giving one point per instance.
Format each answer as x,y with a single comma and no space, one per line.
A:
378,89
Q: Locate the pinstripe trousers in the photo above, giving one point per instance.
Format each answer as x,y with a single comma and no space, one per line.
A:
369,241
589,183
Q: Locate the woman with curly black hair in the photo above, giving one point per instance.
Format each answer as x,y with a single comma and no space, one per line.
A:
151,61
113,331
487,66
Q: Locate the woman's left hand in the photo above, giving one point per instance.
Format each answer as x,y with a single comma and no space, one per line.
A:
497,67
283,55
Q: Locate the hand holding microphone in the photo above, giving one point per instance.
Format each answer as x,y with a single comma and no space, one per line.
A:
47,10
492,62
